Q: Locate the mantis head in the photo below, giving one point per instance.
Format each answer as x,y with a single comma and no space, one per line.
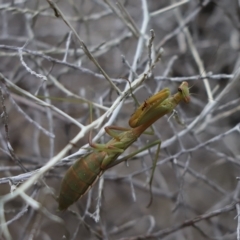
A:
184,90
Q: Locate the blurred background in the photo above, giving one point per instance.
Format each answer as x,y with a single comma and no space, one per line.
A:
50,85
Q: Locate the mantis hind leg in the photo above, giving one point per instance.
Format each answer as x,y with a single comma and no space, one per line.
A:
153,170
154,165
108,130
113,134
104,147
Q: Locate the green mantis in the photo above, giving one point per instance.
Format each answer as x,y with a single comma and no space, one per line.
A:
81,176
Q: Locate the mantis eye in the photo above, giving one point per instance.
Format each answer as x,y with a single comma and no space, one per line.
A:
180,90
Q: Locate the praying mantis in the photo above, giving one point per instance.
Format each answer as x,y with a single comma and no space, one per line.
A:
82,175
